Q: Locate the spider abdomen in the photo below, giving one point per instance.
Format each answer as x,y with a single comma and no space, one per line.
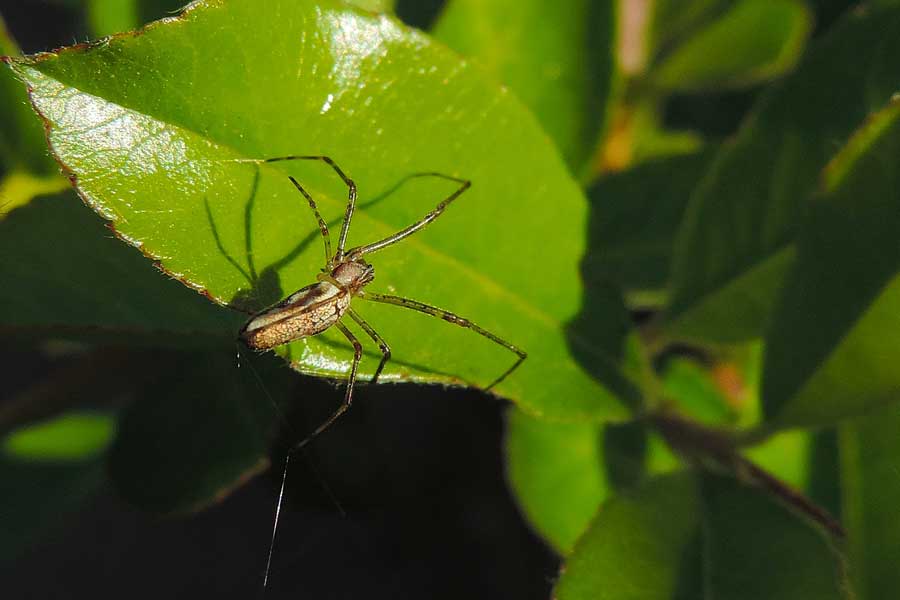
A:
306,312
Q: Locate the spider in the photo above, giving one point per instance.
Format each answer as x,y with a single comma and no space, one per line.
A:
321,305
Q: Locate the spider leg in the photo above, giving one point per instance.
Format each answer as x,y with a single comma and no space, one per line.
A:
382,345
431,216
450,318
351,195
323,226
348,395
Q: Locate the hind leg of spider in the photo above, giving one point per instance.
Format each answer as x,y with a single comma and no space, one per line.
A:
382,345
348,394
451,318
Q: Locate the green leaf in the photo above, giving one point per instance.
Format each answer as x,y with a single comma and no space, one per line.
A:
634,218
106,17
71,279
788,456
70,437
23,146
686,536
695,391
736,242
674,20
869,449
197,431
559,61
151,127
555,470
36,496
832,347
753,41
19,187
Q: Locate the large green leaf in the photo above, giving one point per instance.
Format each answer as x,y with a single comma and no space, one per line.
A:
685,536
736,242
151,126
832,347
47,470
559,60
197,431
753,41
70,278
556,472
869,449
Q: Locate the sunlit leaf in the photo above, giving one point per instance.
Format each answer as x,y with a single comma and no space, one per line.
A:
304,77
736,242
831,350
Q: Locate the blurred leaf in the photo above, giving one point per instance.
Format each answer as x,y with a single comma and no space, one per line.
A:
379,6
19,187
23,145
555,470
832,348
686,536
678,19
74,436
197,431
736,242
788,456
85,284
385,103
694,390
36,496
560,61
634,217
869,449
754,41
106,17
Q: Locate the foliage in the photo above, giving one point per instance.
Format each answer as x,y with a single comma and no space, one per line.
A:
692,306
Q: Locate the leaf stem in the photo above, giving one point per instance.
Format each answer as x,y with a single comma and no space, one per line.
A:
710,447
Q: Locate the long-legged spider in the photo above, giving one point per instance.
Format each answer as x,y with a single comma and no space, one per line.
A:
319,306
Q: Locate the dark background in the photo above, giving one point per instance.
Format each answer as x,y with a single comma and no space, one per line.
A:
404,498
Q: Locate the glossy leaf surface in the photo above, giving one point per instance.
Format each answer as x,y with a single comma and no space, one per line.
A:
832,346
737,239
323,78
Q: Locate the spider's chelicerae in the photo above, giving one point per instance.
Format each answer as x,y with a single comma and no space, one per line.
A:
318,306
